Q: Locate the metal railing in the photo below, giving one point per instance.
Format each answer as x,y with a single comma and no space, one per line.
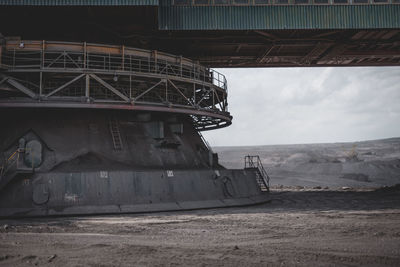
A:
254,162
13,160
205,142
24,55
9,162
80,75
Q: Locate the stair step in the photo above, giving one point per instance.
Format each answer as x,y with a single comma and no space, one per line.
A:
262,178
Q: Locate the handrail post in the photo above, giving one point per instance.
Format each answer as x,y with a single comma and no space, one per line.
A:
43,54
84,55
123,57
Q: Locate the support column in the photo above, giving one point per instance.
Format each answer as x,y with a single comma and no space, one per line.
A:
87,88
40,85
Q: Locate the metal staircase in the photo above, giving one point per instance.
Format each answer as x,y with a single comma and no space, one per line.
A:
205,142
262,178
115,134
210,151
12,166
8,163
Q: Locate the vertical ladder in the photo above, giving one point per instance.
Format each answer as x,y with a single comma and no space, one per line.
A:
262,177
115,134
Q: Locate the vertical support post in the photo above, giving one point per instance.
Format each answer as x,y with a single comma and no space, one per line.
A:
123,57
1,52
130,87
43,47
194,93
149,63
84,55
87,87
180,62
213,92
155,61
166,90
14,59
223,101
40,85
41,73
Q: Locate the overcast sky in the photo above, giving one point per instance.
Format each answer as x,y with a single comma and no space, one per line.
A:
310,105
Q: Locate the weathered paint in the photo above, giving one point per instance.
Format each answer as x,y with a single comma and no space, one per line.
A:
279,17
81,171
62,193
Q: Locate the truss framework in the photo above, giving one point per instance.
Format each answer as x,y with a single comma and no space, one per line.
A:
80,75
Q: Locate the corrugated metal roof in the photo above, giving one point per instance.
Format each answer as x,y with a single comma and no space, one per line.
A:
279,17
78,2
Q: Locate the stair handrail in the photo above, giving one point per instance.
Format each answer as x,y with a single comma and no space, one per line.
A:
249,163
7,165
205,142
14,158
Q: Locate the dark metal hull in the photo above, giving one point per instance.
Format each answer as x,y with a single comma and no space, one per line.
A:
158,163
90,129
104,192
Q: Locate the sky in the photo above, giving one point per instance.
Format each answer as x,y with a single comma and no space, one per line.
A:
310,105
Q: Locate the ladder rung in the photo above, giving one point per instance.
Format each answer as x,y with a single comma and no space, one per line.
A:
115,134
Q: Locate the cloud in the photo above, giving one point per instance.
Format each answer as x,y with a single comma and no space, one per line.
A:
310,105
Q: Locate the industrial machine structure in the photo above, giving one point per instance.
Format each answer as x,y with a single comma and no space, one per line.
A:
102,102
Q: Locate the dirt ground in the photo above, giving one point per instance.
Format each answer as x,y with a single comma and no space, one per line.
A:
297,227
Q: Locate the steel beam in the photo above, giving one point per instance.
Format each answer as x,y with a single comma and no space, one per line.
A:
64,85
148,90
109,87
21,88
177,89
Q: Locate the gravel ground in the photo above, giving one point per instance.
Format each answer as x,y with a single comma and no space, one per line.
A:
302,227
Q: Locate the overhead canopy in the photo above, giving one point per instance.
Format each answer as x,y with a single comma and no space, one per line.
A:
79,2
222,33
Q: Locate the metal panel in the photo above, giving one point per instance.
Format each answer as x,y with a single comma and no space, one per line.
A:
279,17
78,2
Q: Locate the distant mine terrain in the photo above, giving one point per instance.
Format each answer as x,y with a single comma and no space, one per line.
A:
359,164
